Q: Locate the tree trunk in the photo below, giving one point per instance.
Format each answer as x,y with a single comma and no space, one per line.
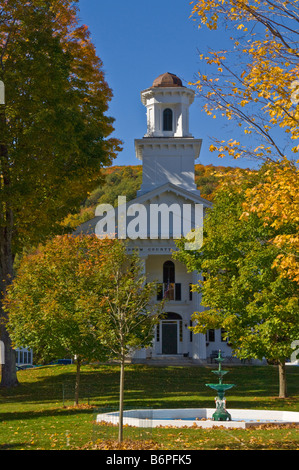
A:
77,385
282,379
121,398
9,373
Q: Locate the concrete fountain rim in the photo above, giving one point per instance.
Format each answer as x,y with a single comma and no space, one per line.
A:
183,417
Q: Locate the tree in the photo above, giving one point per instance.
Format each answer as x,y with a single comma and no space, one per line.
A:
276,202
130,316
243,291
54,302
253,83
53,129
82,297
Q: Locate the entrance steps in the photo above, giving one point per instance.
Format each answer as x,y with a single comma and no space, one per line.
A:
168,360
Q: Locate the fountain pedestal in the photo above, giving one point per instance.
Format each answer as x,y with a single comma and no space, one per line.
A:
221,414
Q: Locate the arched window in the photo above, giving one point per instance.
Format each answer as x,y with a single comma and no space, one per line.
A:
172,316
168,272
167,119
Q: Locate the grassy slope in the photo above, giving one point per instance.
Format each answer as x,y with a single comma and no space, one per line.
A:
36,415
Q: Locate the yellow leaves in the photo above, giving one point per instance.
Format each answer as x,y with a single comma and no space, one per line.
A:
231,147
267,80
276,202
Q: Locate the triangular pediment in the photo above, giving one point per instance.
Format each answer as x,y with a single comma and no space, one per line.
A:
168,194
191,196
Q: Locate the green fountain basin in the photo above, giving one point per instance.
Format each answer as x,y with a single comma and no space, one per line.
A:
220,387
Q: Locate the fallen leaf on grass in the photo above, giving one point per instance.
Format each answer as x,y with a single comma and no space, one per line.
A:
127,444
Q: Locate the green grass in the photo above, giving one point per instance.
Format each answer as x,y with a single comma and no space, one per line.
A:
39,413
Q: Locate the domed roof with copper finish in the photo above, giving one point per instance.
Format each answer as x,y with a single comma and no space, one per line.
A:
167,80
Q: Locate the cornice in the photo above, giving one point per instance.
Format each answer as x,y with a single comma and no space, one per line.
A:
166,143
156,91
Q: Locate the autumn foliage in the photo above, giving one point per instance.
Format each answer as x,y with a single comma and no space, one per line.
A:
255,80
56,296
54,130
276,202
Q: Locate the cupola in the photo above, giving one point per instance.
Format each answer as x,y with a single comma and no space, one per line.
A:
167,102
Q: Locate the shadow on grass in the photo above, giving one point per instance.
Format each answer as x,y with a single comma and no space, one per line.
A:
145,386
58,412
17,445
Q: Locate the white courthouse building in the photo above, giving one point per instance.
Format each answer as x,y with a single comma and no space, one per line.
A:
168,152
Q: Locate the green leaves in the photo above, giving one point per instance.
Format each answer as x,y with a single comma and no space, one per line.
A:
242,290
129,315
81,296
55,295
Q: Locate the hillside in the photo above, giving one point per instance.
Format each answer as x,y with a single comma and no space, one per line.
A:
126,180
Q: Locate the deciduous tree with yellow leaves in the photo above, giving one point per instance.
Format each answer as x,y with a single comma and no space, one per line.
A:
255,81
254,84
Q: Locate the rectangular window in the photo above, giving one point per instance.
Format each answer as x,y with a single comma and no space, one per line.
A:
181,331
191,332
158,333
210,336
169,291
190,292
159,291
178,292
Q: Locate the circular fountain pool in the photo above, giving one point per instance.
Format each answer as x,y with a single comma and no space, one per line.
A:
200,417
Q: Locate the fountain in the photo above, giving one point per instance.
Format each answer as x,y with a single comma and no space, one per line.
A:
221,414
203,417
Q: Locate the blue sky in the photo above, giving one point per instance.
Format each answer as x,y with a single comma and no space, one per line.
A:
137,40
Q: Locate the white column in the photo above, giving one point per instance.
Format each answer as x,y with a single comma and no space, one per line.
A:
178,131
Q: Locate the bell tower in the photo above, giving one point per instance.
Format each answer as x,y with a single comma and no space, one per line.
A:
168,150
167,103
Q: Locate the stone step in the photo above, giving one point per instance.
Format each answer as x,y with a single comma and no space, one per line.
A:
169,360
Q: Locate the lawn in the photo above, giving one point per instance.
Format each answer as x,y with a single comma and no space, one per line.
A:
39,413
